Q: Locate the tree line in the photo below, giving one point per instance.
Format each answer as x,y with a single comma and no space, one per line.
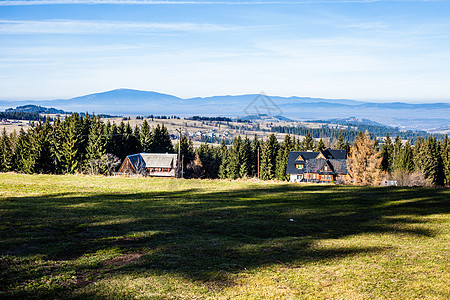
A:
351,132
78,144
86,144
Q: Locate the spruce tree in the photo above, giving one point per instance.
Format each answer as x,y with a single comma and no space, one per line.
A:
282,158
268,158
234,158
223,169
255,150
96,146
165,143
6,152
320,145
308,142
146,138
340,143
186,150
44,162
387,154
245,158
406,155
445,154
70,144
433,167
24,158
396,154
156,140
136,139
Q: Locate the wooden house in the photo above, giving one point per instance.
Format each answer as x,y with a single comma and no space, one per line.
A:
325,166
150,164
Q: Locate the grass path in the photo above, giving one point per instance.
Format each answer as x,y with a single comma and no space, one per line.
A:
105,237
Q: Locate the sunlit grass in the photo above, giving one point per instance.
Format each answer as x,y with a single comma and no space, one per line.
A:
105,237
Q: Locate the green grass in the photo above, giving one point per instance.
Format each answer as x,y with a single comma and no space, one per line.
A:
98,237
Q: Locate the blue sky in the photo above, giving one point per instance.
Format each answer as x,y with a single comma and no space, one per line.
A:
364,50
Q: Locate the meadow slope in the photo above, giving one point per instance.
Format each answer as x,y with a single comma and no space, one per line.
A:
107,237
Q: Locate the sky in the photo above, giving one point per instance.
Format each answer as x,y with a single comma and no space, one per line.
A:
353,49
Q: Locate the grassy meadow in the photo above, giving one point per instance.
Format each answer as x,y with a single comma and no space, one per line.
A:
80,237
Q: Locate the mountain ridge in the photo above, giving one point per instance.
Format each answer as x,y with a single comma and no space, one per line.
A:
126,101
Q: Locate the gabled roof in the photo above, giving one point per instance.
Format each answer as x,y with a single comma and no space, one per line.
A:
153,160
300,158
340,166
335,159
315,165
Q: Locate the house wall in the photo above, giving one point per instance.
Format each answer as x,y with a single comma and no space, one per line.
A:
295,178
163,173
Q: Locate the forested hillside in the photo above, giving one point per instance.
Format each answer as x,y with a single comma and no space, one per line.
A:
80,144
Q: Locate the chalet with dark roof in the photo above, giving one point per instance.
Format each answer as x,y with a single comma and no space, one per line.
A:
150,164
325,166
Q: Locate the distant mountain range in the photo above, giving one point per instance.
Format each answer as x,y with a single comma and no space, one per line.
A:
429,116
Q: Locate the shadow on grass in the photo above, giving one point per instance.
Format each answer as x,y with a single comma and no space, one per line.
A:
196,234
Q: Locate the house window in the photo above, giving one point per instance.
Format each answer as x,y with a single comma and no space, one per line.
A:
299,166
299,177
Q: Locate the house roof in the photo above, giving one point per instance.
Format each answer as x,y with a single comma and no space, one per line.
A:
153,160
335,159
340,165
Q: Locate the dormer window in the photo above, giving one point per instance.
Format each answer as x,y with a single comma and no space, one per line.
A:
299,166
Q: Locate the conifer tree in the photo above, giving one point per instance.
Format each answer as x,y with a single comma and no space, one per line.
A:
56,141
186,150
114,146
340,143
347,148
308,142
156,140
255,150
282,158
24,156
297,145
445,154
396,154
268,158
234,158
6,152
387,154
70,145
44,162
245,158
365,165
96,146
136,139
165,143
433,167
406,158
146,138
223,169
419,152
320,145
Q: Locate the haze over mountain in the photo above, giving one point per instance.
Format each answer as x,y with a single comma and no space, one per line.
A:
427,116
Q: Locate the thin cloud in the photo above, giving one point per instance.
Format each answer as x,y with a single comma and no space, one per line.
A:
97,27
200,2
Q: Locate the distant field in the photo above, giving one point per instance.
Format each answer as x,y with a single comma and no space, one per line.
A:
126,238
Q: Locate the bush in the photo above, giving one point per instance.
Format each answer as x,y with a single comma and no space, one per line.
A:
405,178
